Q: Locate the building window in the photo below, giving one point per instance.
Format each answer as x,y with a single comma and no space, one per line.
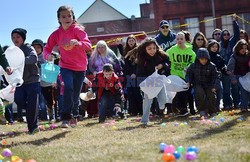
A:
209,26
227,23
100,29
175,25
244,25
193,25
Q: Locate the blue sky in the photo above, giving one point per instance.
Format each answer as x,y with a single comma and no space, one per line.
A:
39,17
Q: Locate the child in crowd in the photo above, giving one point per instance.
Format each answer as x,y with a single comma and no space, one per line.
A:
238,65
133,92
181,56
150,58
46,88
72,42
202,74
213,49
109,92
26,96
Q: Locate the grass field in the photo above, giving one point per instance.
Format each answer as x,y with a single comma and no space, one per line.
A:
126,140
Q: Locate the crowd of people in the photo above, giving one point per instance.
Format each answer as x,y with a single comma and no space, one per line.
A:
211,69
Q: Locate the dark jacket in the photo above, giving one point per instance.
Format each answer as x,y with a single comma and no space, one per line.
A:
3,61
226,47
202,75
216,59
147,68
129,69
165,42
31,72
238,64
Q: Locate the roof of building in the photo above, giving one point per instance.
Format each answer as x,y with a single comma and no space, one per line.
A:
100,11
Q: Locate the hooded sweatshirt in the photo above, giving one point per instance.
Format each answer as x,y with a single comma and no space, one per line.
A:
180,59
72,58
202,75
165,42
31,72
216,58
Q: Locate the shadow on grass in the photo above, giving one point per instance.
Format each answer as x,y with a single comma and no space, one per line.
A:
41,141
91,124
11,134
225,127
140,126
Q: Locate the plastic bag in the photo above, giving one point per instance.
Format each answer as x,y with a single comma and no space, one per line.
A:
152,85
174,83
16,60
170,96
245,81
7,93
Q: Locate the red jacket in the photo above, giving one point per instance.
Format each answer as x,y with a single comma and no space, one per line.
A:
113,84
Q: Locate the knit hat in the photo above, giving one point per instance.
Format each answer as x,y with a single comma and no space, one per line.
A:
22,32
38,42
202,53
163,23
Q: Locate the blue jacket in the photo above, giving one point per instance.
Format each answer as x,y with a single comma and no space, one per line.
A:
165,42
226,49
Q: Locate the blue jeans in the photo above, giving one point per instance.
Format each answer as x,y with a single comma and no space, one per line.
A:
42,108
162,98
9,113
73,81
26,97
228,90
106,105
60,104
244,96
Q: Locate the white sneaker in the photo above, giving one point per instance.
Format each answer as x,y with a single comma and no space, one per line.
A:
65,124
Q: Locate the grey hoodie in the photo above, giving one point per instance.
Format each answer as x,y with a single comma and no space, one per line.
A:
30,73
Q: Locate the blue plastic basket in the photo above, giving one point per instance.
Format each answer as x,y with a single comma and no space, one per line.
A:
50,72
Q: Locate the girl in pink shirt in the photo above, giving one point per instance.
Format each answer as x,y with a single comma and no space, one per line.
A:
72,41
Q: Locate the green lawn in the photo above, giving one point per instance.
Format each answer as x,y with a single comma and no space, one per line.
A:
126,140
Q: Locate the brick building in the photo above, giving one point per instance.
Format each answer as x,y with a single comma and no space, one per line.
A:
193,11
101,18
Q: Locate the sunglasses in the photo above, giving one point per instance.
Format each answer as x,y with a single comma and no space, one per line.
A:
216,33
200,39
164,27
226,34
